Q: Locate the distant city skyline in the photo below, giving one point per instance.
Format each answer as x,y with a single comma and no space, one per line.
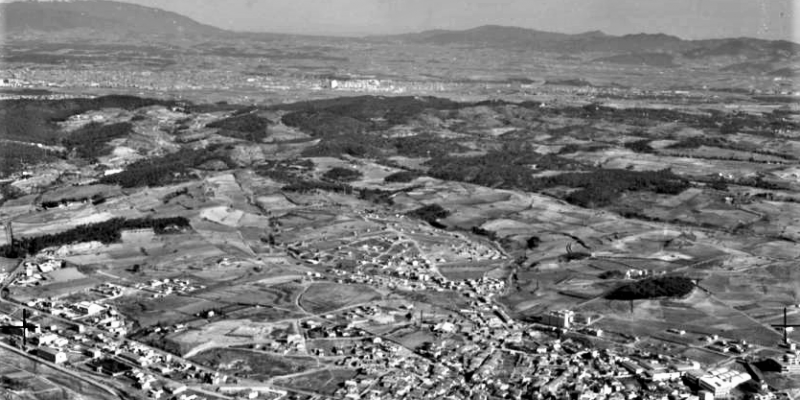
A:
688,19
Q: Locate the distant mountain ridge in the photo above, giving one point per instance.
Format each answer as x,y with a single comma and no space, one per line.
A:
103,17
113,19
742,55
508,37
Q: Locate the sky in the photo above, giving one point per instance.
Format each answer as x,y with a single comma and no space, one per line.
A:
689,19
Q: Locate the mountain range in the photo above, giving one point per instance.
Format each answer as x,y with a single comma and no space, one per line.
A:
514,38
110,19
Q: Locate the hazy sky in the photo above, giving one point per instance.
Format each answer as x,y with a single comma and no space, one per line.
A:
692,19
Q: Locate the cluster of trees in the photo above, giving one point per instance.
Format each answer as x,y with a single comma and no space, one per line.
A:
491,235
602,187
570,148
431,214
34,121
402,177
165,170
340,174
574,148
104,232
533,242
710,141
510,169
220,106
326,124
631,116
613,274
16,157
305,186
178,193
721,183
9,192
361,145
30,120
289,170
345,125
757,182
767,124
640,146
377,196
426,145
652,288
12,384
95,199
91,141
247,126
292,173
391,110
694,142
574,255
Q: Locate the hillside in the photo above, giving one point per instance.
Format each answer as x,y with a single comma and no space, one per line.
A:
105,17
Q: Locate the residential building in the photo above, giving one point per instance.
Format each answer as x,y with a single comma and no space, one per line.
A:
559,319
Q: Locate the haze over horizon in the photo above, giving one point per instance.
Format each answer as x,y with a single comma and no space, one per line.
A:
688,19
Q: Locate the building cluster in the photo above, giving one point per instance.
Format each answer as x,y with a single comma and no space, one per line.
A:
472,350
480,352
387,85
109,290
722,345
92,313
165,287
33,271
790,362
43,265
394,258
551,370
153,372
719,381
398,246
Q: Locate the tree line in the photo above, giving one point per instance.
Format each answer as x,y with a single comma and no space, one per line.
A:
166,170
104,232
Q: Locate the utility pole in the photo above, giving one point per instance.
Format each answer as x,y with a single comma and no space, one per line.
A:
25,329
786,326
9,233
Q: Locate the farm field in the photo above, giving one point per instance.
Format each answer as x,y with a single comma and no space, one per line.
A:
320,298
326,381
253,365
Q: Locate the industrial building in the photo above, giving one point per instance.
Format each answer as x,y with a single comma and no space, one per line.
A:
87,308
52,355
721,381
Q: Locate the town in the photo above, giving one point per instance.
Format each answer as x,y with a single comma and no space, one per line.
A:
474,352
